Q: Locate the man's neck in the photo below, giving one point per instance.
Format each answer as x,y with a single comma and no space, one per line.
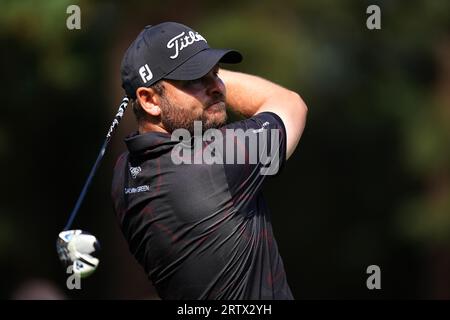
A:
149,127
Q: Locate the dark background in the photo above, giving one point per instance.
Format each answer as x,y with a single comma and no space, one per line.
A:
368,184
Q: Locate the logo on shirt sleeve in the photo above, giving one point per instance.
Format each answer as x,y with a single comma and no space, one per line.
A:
135,171
137,189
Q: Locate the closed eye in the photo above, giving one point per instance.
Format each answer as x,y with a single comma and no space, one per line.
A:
188,83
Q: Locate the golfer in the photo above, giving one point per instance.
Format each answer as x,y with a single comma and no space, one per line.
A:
187,192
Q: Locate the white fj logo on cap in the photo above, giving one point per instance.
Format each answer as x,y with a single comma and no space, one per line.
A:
145,73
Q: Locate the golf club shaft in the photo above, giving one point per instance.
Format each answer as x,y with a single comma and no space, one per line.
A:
113,127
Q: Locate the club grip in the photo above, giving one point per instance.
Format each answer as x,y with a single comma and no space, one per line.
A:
118,117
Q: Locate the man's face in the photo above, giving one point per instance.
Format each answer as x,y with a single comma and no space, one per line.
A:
184,102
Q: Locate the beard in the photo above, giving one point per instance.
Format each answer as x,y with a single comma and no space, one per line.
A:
173,117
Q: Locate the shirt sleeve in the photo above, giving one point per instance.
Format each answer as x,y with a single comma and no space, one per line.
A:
254,149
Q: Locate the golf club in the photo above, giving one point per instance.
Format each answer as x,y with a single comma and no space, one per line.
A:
77,247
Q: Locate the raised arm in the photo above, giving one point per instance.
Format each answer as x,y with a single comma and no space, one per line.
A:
249,95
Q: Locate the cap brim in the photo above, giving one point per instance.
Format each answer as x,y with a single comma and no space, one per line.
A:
201,63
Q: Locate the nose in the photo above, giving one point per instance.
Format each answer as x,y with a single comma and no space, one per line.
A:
214,85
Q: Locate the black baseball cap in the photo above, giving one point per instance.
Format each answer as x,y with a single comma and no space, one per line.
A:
169,50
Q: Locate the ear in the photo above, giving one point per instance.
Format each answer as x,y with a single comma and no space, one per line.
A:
149,100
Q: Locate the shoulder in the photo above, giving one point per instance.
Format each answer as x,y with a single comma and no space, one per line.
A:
263,120
121,160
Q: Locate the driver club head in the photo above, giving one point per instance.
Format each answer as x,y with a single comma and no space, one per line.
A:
79,249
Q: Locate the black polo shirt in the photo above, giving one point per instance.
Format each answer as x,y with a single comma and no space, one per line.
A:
202,230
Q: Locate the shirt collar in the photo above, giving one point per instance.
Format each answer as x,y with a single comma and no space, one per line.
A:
149,142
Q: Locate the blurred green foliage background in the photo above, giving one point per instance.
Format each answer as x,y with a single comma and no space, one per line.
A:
368,184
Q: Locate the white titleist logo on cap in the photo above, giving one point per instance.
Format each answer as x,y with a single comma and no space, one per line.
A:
180,42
